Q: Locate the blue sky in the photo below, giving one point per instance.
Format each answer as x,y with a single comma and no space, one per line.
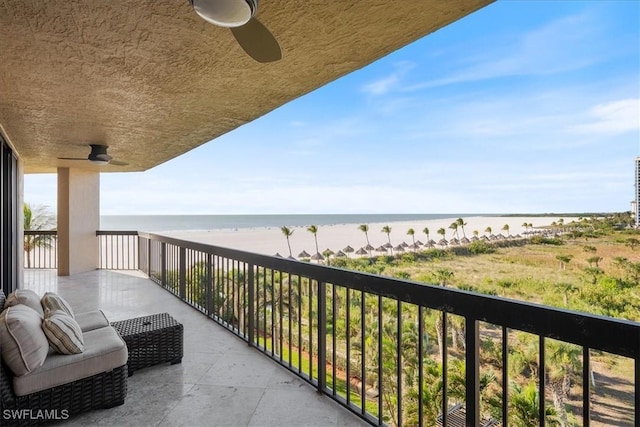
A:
523,106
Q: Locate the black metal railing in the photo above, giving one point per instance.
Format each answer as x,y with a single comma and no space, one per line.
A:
402,353
117,250
41,249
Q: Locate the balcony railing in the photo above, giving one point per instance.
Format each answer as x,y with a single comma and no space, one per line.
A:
371,342
117,250
41,249
398,352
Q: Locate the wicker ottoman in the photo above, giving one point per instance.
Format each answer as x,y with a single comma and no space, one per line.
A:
151,340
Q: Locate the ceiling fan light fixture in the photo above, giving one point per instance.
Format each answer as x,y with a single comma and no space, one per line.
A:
99,162
226,13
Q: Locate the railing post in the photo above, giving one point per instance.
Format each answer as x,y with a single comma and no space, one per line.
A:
472,356
182,273
322,336
163,264
209,281
149,257
251,303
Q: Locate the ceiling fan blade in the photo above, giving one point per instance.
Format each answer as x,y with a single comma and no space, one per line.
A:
72,158
118,163
257,41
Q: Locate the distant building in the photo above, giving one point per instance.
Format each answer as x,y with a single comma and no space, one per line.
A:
635,206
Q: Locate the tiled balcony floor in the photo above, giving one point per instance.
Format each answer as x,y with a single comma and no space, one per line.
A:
221,380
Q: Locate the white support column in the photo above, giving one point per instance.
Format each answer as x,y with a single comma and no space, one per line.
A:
78,220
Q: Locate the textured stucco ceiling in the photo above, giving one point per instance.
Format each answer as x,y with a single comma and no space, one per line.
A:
152,80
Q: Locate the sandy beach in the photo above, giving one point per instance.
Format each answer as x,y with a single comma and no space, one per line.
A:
270,240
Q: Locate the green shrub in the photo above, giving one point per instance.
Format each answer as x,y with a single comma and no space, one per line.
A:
480,247
541,240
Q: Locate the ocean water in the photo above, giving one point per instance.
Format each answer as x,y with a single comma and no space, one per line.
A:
217,222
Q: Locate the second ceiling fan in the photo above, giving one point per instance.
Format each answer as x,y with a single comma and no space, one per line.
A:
99,156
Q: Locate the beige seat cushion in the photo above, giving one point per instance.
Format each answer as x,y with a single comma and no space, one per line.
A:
91,320
53,301
63,332
26,297
104,350
23,345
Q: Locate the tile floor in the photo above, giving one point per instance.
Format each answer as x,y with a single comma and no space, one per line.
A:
221,380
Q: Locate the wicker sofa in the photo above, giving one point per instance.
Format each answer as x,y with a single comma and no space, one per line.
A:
65,385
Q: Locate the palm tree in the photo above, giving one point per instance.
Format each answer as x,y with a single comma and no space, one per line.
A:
454,227
488,230
506,228
287,233
442,231
524,406
564,260
386,229
411,232
36,219
564,364
461,224
313,229
426,231
443,276
365,229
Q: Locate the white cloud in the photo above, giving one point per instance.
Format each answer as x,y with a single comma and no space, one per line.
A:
567,44
387,84
612,117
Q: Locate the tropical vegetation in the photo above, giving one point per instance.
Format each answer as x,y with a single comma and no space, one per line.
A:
588,266
37,218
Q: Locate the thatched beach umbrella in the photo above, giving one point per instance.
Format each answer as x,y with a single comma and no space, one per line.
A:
362,252
317,256
399,248
340,254
443,242
404,244
328,252
419,243
465,241
414,246
475,238
369,247
454,241
348,250
304,254
388,246
381,249
432,242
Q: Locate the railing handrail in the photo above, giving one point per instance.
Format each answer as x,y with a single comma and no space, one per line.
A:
590,330
116,233
41,232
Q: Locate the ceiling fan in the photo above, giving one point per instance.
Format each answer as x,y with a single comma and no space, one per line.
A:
238,15
98,156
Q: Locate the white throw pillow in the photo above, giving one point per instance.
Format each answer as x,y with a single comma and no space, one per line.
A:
26,297
52,301
63,332
24,344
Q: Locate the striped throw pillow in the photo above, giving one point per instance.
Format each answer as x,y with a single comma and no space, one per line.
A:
63,332
53,302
